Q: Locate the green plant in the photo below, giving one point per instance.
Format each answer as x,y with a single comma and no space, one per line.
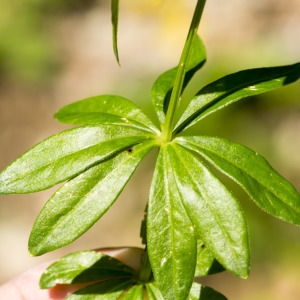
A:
193,224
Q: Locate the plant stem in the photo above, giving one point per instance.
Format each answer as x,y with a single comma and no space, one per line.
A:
146,271
167,127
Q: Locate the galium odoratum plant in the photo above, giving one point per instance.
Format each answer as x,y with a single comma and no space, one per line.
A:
193,225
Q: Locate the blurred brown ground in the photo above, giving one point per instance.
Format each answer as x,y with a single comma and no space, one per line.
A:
238,34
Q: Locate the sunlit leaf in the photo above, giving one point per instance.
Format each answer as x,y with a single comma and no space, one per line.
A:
104,290
77,205
200,292
162,88
65,155
234,87
214,211
115,20
170,234
266,187
105,109
84,266
153,292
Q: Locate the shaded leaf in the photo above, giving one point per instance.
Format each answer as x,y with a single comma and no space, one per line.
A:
234,87
252,172
200,292
65,155
170,235
162,87
214,211
115,20
77,205
105,109
104,290
206,263
84,266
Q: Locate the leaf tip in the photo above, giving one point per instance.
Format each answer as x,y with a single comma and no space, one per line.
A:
35,249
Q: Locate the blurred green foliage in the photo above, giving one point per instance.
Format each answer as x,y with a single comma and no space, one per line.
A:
27,48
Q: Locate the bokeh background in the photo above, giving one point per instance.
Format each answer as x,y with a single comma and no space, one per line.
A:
55,52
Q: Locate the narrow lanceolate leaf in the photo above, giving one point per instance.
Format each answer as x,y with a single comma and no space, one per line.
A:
104,290
252,172
115,20
65,155
77,205
153,292
200,292
234,87
171,239
162,88
84,266
105,109
214,211
134,293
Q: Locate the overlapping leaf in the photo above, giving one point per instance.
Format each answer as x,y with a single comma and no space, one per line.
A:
199,292
92,266
77,205
65,155
206,263
153,292
104,290
266,187
134,293
214,211
234,87
170,235
162,87
82,267
105,109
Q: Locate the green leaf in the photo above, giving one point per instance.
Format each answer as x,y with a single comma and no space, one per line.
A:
105,109
135,293
252,172
234,87
64,156
171,239
214,211
84,266
162,87
104,290
199,292
114,20
206,263
77,205
153,292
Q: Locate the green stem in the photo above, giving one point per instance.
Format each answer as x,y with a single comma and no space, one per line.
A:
167,127
146,271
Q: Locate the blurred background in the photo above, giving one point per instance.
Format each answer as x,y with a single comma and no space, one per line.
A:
55,52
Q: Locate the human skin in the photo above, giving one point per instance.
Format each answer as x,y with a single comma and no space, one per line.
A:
26,286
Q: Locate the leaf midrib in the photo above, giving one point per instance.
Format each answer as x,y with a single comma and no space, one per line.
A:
61,158
174,269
